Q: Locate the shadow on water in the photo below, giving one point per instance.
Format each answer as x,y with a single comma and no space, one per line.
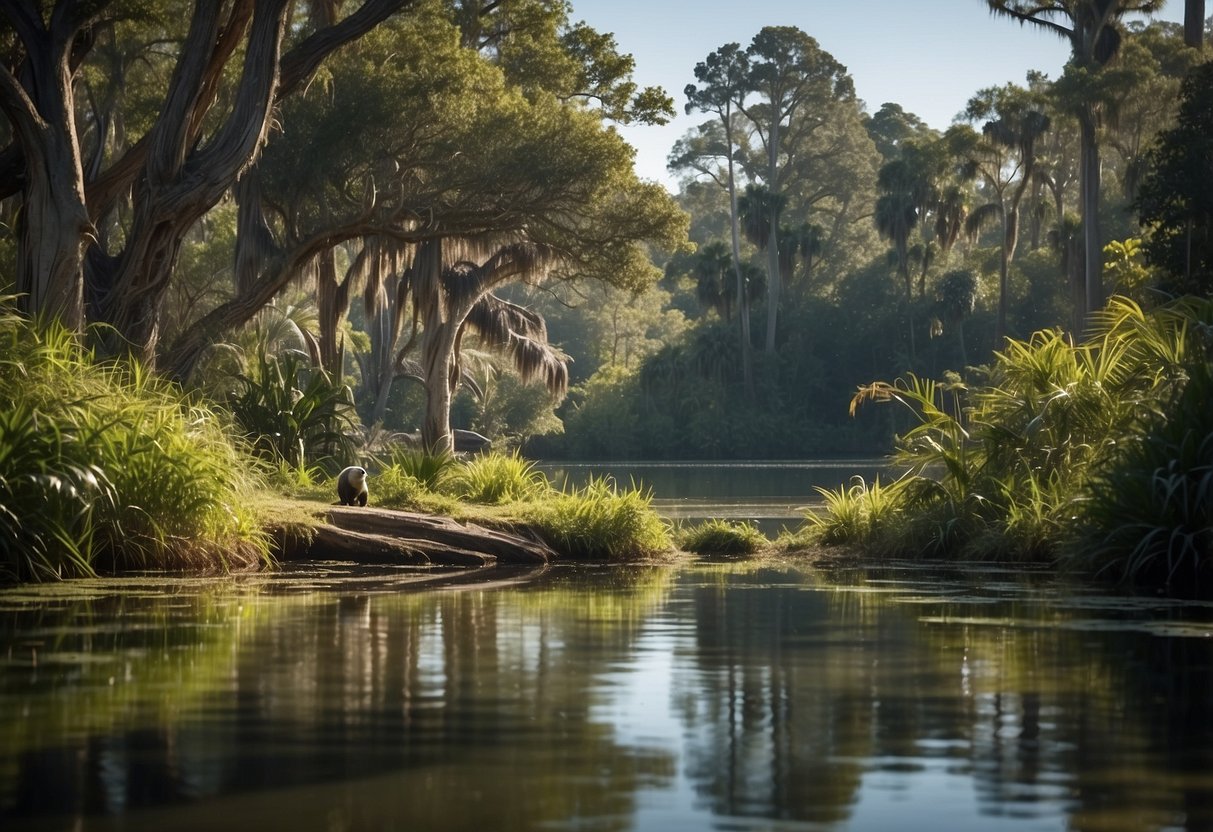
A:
729,696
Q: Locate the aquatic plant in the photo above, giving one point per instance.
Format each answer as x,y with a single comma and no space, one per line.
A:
722,537
860,513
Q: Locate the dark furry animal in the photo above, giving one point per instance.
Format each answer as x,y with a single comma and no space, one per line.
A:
351,486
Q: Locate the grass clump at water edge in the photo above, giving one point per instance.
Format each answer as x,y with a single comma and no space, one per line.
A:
104,466
721,537
601,522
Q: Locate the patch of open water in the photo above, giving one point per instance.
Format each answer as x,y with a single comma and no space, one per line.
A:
739,696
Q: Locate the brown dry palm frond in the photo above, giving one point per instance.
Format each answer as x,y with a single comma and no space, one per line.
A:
522,335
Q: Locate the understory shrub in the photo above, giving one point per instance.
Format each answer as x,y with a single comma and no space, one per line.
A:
1099,452
1148,516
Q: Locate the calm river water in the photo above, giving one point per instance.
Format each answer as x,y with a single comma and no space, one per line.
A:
737,696
772,494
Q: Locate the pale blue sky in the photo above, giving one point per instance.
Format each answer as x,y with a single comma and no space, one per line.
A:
929,56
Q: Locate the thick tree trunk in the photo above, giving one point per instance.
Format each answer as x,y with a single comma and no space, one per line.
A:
1092,243
54,232
55,228
182,183
438,360
332,302
1194,23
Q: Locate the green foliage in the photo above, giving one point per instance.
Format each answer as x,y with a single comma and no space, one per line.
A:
721,537
601,522
1176,198
1099,450
295,413
1124,268
433,470
1148,517
859,513
104,466
392,487
497,478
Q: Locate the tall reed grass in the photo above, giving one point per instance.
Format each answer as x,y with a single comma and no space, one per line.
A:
104,466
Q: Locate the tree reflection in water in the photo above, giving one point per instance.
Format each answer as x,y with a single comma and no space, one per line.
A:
605,698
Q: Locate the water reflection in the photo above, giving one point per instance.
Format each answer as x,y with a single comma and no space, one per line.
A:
737,696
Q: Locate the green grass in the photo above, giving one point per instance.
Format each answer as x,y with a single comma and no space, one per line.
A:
432,470
105,467
860,513
601,522
497,478
721,537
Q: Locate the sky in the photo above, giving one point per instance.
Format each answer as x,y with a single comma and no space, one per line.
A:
929,56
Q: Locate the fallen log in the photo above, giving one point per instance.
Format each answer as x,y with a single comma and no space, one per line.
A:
386,536
432,535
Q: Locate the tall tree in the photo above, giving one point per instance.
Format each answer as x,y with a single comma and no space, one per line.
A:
1092,28
792,79
187,160
1006,160
1176,197
721,91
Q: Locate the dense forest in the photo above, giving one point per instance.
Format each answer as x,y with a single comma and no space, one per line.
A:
212,191
376,233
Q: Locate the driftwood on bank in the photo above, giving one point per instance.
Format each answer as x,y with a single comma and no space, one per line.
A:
373,535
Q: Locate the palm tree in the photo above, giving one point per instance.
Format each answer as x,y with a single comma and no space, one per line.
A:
712,269
1092,28
950,213
956,297
1006,159
896,215
803,243
759,209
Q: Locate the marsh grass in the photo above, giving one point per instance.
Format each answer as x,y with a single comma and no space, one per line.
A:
497,478
862,512
722,537
432,469
601,522
103,466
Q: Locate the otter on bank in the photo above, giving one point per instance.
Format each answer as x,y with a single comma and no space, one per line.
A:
351,486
